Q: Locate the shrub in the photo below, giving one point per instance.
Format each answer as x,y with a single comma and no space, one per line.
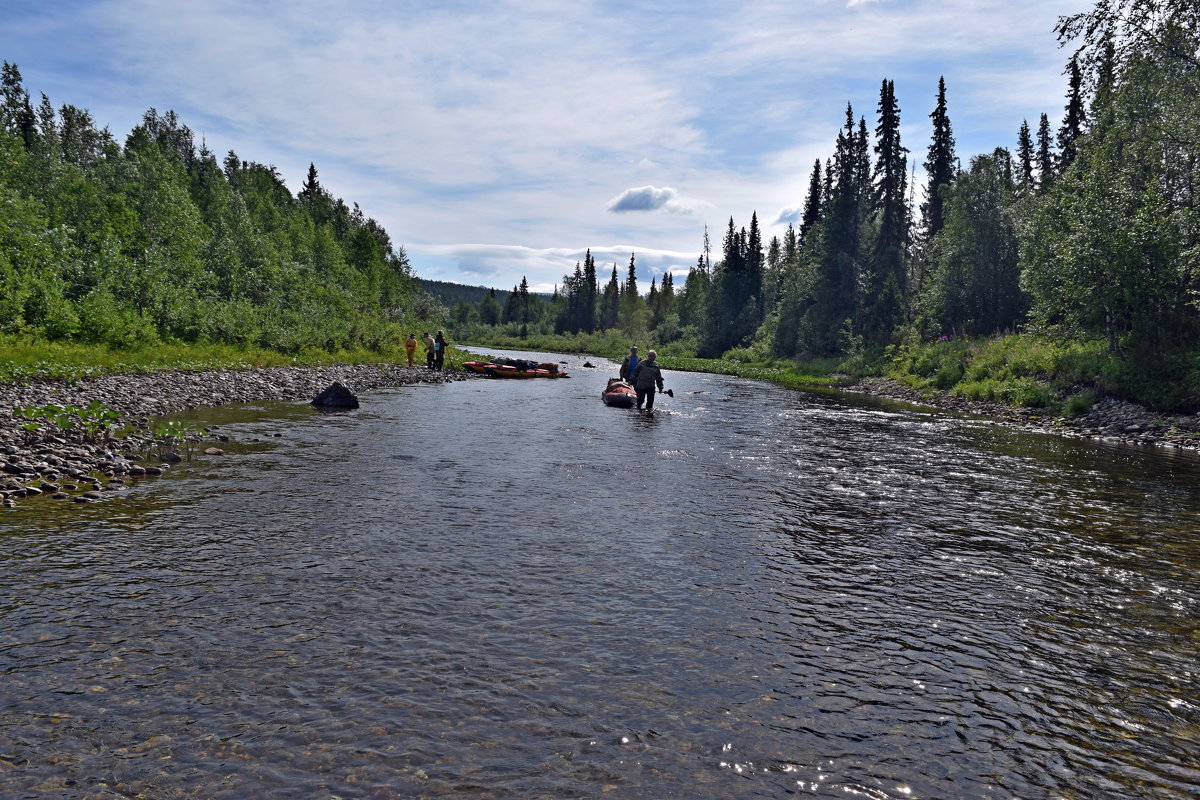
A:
1078,405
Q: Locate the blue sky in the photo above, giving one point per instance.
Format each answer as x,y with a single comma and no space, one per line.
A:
496,140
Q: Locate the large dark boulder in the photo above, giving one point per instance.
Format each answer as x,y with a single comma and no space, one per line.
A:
336,396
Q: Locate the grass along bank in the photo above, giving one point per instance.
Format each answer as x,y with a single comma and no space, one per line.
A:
23,359
743,363
1064,377
1060,377
1019,371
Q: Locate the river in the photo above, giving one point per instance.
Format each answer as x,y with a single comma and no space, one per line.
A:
504,589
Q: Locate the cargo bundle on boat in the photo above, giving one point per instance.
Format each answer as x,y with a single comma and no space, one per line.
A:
619,394
515,368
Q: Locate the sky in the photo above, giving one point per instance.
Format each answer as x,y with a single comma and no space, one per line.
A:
497,141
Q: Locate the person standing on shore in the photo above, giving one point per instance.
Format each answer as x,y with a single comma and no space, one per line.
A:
646,377
429,350
439,350
629,365
410,347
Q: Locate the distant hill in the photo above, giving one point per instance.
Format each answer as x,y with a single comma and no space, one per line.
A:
451,294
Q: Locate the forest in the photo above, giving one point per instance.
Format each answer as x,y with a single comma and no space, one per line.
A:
154,239
1084,232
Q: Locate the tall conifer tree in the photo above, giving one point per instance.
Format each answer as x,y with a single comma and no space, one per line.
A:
1025,157
1073,119
834,297
632,305
754,276
589,294
812,203
887,286
939,165
610,302
1045,155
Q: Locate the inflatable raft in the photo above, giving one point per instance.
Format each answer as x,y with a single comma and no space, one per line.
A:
495,370
618,394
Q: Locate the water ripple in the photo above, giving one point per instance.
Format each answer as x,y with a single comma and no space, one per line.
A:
509,590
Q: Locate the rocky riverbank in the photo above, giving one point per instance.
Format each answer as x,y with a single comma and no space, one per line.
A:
63,466
1109,419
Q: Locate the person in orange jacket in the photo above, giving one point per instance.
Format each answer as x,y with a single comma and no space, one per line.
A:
410,347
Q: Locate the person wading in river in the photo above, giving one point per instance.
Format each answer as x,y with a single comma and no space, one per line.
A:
645,378
629,365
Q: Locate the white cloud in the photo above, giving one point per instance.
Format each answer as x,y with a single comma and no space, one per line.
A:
789,215
648,198
501,122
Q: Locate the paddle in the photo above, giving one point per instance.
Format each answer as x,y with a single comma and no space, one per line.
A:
669,392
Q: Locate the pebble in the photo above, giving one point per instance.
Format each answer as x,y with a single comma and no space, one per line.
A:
140,398
1110,420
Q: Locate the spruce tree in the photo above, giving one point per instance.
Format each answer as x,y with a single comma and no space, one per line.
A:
666,295
1073,119
812,203
834,294
1025,157
939,165
772,275
652,304
693,303
862,165
632,305
1045,155
523,301
489,309
754,277
588,294
512,306
827,186
887,286
610,302
16,114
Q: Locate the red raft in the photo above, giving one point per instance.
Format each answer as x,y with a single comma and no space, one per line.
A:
511,371
619,394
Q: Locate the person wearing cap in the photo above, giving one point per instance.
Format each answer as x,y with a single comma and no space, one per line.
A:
646,377
629,365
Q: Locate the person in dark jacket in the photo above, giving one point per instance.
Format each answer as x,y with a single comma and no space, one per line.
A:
646,377
439,350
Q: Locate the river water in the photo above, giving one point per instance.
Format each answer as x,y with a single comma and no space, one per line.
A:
504,589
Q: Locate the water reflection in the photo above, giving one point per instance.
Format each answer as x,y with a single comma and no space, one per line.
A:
506,589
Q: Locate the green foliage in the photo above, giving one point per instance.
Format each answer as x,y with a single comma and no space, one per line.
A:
168,437
1044,372
87,424
1077,405
1094,251
24,358
154,241
1013,392
973,286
